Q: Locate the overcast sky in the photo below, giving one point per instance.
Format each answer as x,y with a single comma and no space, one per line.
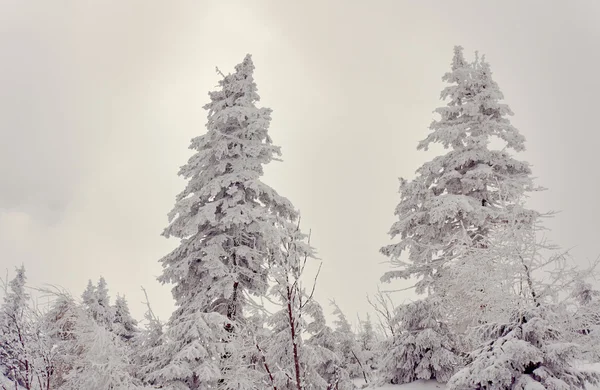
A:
99,100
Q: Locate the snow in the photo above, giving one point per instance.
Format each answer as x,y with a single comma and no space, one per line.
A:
418,385
430,385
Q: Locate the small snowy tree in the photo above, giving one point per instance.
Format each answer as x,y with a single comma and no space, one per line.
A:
586,316
89,295
528,353
102,362
124,325
368,342
423,349
97,302
16,358
580,318
329,366
189,352
348,347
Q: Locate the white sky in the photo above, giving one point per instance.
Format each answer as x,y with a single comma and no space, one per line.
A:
99,99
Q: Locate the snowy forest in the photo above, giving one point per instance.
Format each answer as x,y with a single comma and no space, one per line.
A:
500,307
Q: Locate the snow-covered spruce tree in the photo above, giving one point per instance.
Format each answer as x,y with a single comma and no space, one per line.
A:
124,325
102,358
97,302
368,342
348,347
89,295
226,220
528,353
455,198
423,349
323,340
16,357
584,318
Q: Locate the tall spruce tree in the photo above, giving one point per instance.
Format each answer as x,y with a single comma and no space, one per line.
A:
226,219
458,198
456,203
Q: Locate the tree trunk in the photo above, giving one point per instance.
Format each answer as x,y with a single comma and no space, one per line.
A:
294,338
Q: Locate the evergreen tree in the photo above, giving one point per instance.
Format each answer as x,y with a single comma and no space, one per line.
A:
124,325
330,367
423,349
97,302
89,295
226,219
528,353
16,357
458,198
583,318
347,346
368,343
104,312
102,359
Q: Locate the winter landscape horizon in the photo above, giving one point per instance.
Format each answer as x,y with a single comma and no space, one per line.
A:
383,196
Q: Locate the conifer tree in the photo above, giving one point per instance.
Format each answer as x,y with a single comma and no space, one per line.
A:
16,357
104,314
226,219
348,348
102,359
368,342
530,352
124,325
97,302
330,367
458,198
423,349
89,295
